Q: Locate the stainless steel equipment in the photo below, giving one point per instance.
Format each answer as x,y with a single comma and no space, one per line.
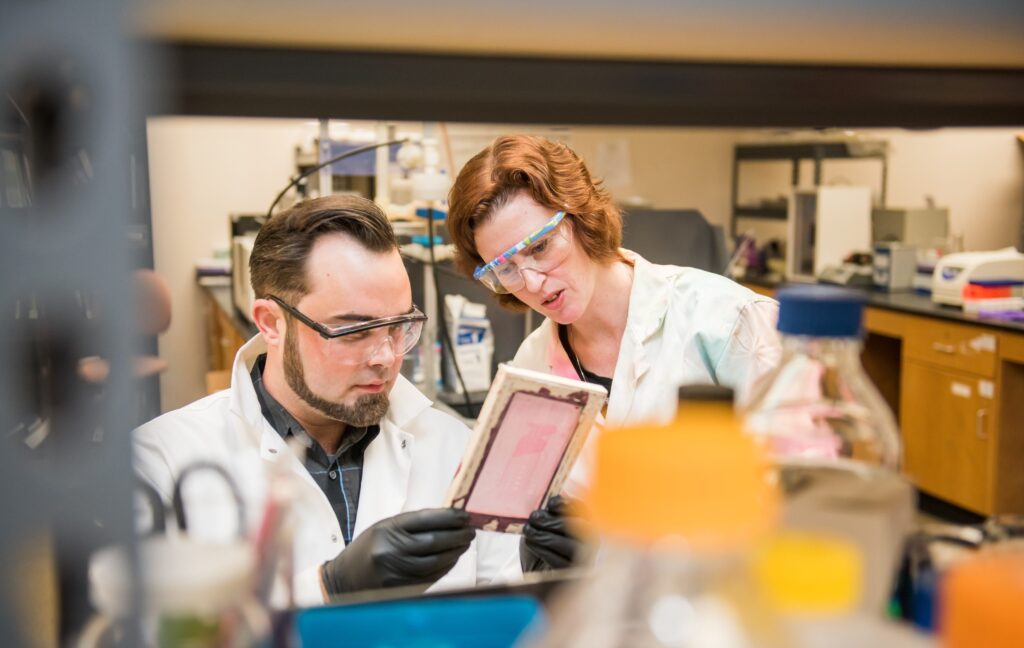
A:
920,227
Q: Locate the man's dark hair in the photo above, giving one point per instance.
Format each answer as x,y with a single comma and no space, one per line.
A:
277,265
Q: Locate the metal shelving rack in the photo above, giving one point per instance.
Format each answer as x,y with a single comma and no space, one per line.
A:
796,152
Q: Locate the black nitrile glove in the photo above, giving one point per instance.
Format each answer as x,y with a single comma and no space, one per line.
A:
413,548
547,542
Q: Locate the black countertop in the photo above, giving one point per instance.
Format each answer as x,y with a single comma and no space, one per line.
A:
917,304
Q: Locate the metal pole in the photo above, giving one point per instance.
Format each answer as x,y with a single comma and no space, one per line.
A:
382,184
324,175
429,355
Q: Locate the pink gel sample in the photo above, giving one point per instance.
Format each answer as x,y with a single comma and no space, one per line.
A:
520,465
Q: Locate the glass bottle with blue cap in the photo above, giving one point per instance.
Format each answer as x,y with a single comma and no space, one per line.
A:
833,437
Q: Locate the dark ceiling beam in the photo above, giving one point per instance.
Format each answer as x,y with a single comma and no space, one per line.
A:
267,82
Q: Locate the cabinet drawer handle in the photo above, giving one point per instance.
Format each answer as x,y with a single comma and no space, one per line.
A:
943,348
979,424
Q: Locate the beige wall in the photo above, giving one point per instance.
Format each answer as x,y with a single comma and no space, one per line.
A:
977,173
201,169
671,168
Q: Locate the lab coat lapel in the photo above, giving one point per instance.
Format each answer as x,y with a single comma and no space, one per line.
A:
244,403
386,467
648,304
254,428
388,459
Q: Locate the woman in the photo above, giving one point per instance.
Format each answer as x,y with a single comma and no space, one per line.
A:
528,221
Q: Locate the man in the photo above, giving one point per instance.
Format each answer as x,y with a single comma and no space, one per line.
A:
335,316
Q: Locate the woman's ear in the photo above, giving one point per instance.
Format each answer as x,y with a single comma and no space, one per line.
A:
269,320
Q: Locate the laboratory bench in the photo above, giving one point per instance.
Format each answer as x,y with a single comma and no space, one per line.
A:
956,385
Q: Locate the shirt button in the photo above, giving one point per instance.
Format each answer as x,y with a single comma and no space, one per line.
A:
333,474
334,538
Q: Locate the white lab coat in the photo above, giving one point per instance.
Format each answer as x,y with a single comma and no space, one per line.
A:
409,466
684,326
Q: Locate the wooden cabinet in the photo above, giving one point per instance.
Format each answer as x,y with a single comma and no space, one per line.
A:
224,337
961,393
948,433
947,407
225,340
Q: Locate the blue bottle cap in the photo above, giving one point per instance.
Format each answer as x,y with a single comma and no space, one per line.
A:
820,311
424,239
438,214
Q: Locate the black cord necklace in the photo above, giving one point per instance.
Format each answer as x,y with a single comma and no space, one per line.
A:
576,363
563,337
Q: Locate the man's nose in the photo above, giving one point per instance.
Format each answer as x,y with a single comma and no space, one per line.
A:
383,354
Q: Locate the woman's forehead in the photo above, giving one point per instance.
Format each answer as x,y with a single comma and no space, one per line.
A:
508,225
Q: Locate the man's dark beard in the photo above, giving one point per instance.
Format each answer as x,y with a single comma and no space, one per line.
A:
367,410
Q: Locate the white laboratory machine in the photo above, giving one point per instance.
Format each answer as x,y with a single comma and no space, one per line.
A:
825,225
895,265
955,271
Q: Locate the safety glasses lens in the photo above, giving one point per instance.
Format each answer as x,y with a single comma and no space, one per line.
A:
492,282
408,336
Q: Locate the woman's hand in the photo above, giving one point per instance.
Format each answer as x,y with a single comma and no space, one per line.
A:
548,541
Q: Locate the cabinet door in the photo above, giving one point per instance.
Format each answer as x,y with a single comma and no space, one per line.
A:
947,429
229,342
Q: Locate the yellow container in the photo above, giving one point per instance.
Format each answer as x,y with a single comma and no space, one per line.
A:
810,574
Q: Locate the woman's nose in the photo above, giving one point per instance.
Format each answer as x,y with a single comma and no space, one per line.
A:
532,278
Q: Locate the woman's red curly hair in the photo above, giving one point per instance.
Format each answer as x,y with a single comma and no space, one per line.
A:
553,175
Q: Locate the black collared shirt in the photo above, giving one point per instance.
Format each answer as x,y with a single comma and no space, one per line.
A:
339,474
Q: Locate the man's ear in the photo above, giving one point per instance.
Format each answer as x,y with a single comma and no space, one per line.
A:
269,320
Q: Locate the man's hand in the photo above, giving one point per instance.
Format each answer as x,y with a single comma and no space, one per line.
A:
413,548
547,541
